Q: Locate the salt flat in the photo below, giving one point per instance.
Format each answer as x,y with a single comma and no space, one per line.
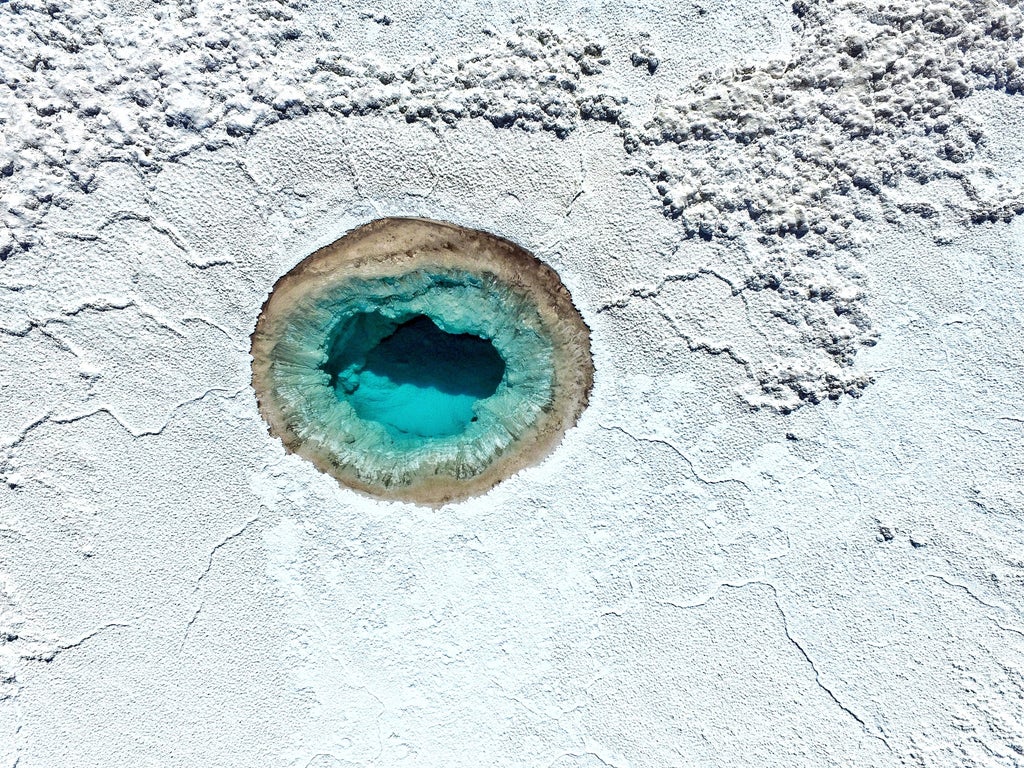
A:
787,531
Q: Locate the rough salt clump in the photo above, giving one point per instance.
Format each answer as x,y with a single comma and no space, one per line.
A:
803,154
869,101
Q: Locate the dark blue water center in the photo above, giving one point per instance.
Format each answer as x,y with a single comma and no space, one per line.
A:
419,380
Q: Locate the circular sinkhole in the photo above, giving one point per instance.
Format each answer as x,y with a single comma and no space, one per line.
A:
419,360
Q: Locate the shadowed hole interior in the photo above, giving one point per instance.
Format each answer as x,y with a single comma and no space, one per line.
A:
412,377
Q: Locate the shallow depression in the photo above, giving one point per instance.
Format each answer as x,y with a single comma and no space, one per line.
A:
419,381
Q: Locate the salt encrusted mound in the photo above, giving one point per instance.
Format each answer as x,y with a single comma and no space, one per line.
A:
85,87
796,158
870,99
467,282
803,154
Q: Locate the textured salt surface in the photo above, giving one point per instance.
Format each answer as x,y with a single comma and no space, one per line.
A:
813,146
742,197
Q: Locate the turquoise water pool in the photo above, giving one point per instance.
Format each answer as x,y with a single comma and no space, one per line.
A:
420,381
430,368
